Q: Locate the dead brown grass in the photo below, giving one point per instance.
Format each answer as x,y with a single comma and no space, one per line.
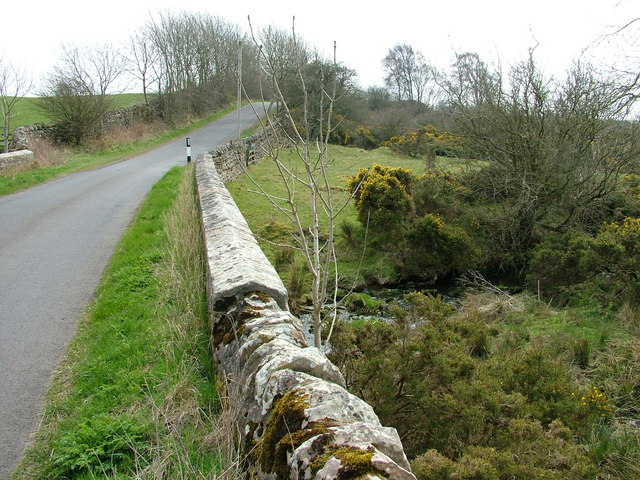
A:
47,154
124,135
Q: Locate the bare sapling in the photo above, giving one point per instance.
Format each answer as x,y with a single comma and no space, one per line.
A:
14,85
307,131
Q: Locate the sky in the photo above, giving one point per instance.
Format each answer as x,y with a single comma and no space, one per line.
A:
499,30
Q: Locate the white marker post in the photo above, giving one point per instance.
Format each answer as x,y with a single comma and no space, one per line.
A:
188,150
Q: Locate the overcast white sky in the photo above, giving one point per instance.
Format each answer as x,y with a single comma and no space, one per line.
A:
32,32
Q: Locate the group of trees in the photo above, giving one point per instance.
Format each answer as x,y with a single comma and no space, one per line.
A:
185,63
549,165
555,150
190,59
408,76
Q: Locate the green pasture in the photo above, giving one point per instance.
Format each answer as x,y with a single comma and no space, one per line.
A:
27,112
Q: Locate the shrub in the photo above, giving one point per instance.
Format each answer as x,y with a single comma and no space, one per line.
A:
362,304
436,249
560,262
438,192
382,198
428,140
432,465
528,451
631,185
607,264
420,364
284,256
362,137
470,402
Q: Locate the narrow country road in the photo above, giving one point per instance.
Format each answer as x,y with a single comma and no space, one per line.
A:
55,241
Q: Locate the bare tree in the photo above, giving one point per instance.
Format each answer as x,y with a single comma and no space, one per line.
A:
14,85
625,64
94,69
309,133
281,54
142,59
76,94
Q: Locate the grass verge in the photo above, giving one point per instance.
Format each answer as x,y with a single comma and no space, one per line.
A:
135,396
86,158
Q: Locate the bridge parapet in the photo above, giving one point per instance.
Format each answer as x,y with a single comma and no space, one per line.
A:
296,418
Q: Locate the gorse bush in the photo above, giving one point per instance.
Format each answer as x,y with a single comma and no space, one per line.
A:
417,215
382,197
533,452
471,399
428,140
606,265
437,249
439,192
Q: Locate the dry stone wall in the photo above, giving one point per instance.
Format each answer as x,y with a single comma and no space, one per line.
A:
297,419
24,135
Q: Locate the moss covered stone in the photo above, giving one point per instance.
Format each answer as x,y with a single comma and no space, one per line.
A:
287,418
355,463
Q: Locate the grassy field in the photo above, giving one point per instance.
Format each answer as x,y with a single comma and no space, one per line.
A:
27,112
135,396
274,229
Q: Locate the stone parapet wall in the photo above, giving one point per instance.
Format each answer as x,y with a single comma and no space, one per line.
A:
236,263
12,159
232,159
296,418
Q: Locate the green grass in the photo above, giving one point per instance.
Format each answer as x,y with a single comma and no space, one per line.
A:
127,99
135,396
81,159
272,226
26,112
345,162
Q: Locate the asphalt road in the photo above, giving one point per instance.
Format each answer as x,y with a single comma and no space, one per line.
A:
55,242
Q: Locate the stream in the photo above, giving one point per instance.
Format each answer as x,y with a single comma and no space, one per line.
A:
449,291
